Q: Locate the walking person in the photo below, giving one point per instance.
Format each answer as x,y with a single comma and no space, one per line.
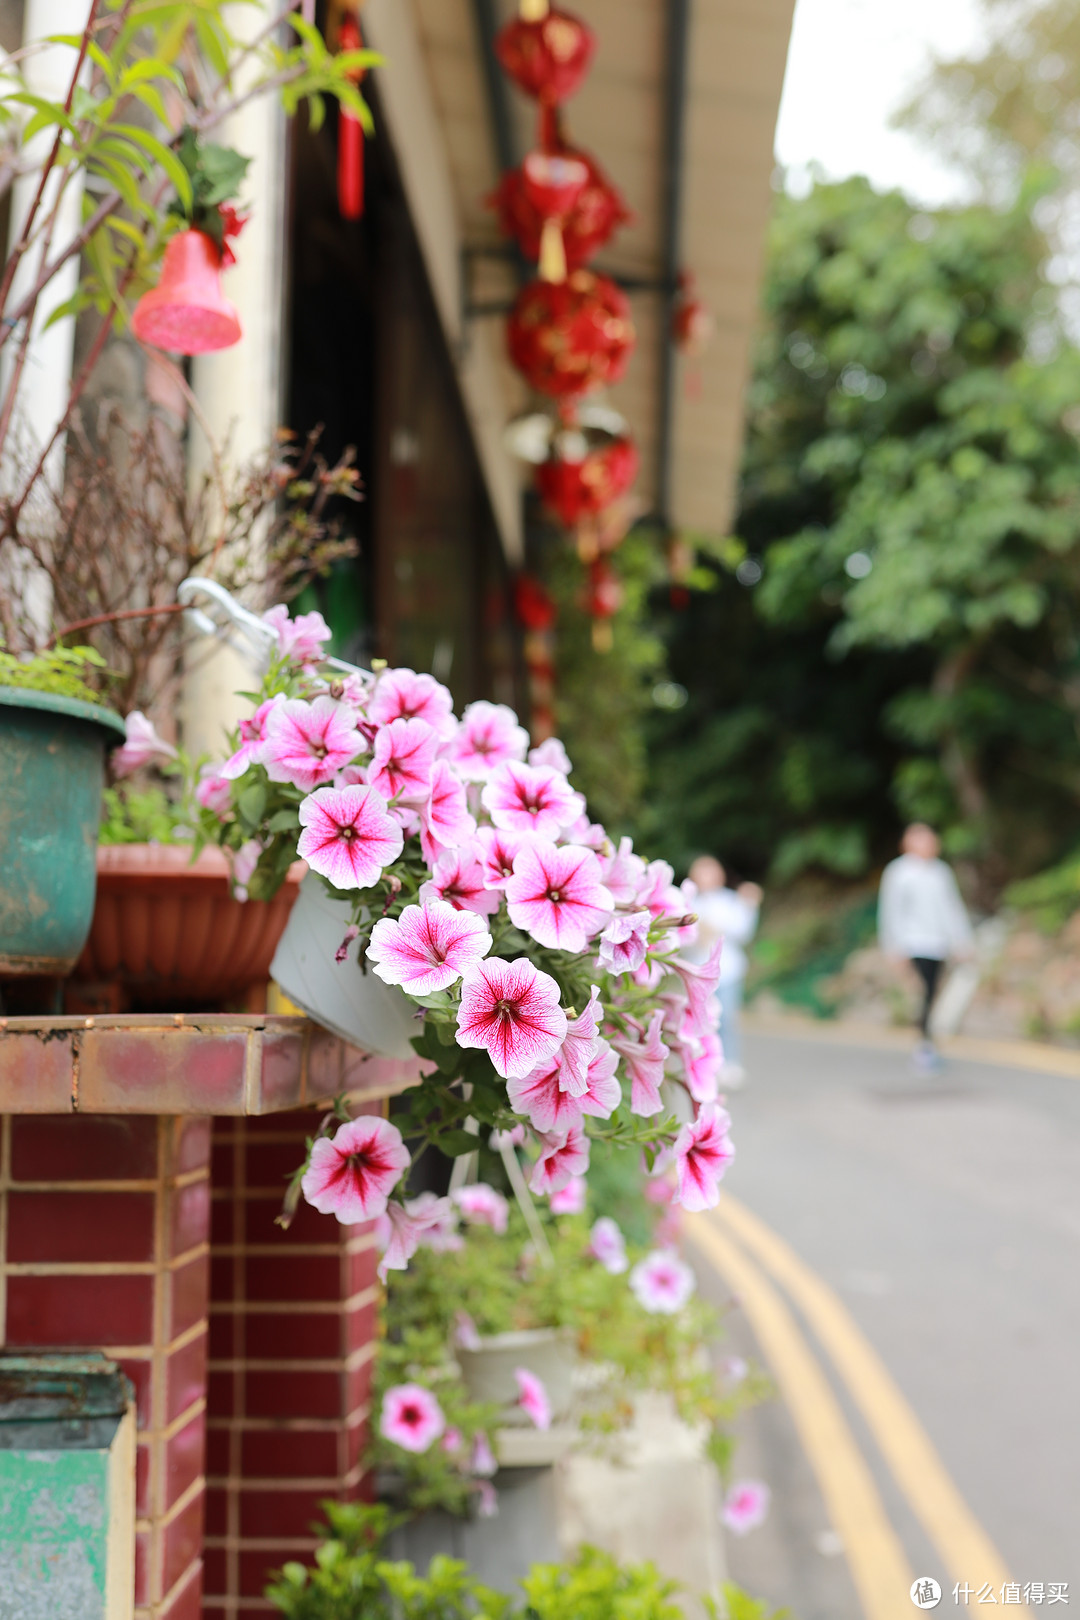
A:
922,919
731,915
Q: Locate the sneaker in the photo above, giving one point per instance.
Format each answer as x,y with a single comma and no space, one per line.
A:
926,1058
732,1077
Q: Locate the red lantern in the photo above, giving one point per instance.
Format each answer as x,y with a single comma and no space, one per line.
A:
581,488
571,336
534,606
350,172
547,56
591,220
187,312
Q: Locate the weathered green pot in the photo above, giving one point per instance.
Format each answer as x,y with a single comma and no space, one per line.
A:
52,767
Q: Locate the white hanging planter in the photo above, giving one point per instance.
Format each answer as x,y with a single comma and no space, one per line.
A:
357,1006
548,1353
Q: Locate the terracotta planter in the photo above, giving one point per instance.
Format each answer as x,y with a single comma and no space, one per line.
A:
169,932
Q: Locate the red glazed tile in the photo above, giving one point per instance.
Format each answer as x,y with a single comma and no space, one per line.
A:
183,1541
308,1225
84,1147
217,1510
189,1217
282,1070
190,1145
270,1164
294,1336
294,1277
189,1288
72,1310
218,1450
358,1389
142,1480
58,1226
220,1394
185,1456
361,1326
357,1440
142,1566
35,1073
360,1271
214,1572
222,1163
171,1070
222,1274
186,1604
224,1337
224,1226
290,1454
185,1377
141,1374
294,1394
257,1566
280,1514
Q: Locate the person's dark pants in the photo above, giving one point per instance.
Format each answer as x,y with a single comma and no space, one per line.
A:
929,970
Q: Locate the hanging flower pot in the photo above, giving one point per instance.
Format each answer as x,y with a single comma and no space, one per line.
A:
577,487
546,56
187,312
587,224
572,336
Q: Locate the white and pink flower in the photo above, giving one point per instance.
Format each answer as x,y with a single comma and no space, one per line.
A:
551,754
458,878
411,1417
402,694
445,820
625,941
489,735
556,895
607,1244
703,1152
351,1175
307,744
400,1229
561,1158
403,759
347,836
510,1010
497,851
645,1059
579,1046
662,1283
482,1205
603,1093
300,639
252,737
533,1397
523,798
571,1199
213,790
142,746
542,1100
746,1506
624,873
428,947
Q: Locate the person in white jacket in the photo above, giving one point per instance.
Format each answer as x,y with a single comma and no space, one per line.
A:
731,915
922,919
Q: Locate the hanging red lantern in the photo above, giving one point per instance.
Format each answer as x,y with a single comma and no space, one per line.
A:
590,221
574,489
571,336
187,312
350,169
533,604
545,51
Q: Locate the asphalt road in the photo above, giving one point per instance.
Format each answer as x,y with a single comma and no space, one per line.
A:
922,1316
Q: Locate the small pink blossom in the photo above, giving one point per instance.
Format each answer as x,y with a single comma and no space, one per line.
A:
458,878
252,737
522,798
482,1205
351,1175
579,1047
607,1244
556,895
510,1010
411,1417
735,1369
700,980
440,1224
445,821
213,790
624,873
399,1231
244,863
533,1397
561,1158
428,947
488,736
300,639
702,1064
624,942
541,1098
658,893
570,1200
645,1061
342,952
487,1500
308,743
746,1506
348,837
466,1334
703,1152
587,833
662,1283
401,694
403,759
603,1093
551,754
483,1462
511,1138
497,851
452,1441
142,747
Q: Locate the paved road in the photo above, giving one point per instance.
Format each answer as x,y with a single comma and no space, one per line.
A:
943,1219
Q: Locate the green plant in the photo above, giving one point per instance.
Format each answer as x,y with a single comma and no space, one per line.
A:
738,1605
61,671
141,816
596,1587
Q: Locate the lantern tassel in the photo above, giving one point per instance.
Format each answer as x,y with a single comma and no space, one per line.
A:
350,168
552,252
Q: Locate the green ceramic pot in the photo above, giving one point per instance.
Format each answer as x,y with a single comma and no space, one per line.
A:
52,768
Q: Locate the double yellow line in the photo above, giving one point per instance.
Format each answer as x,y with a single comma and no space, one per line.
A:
729,1236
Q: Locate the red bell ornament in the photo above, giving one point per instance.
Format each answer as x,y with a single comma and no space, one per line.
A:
546,51
575,489
187,312
591,220
569,337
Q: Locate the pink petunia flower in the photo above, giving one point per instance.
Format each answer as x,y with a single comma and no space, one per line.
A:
142,746
510,1010
588,834
662,1283
351,1175
466,1334
488,736
497,851
511,1138
561,1158
702,1064
244,863
445,821
452,1441
458,878
603,1093
607,1244
348,837
552,754
579,1047
482,1205
411,1417
301,638
645,1061
252,738
487,1500
403,759
439,1222
428,947
700,980
658,893
570,1200
521,798
624,873
400,1229
483,1462
213,790
308,743
624,942
533,1397
541,1098
746,1506
402,694
703,1151
556,895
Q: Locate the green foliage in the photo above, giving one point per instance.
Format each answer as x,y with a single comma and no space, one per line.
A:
739,1606
1051,897
61,671
596,1587
216,173
133,815
800,946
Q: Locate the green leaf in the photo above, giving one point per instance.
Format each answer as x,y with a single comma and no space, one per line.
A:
456,1143
166,158
251,803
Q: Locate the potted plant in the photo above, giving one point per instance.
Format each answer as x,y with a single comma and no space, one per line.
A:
54,731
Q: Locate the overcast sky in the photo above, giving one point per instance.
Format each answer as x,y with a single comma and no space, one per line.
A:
851,63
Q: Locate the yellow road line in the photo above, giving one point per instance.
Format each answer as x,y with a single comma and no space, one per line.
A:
1036,1057
963,1545
879,1567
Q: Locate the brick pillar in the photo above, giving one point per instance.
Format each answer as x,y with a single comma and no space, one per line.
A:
292,1325
104,1222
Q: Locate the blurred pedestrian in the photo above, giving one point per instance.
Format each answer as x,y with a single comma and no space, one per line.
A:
922,920
731,915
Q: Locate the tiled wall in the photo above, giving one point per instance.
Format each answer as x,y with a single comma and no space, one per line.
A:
104,1221
292,1325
